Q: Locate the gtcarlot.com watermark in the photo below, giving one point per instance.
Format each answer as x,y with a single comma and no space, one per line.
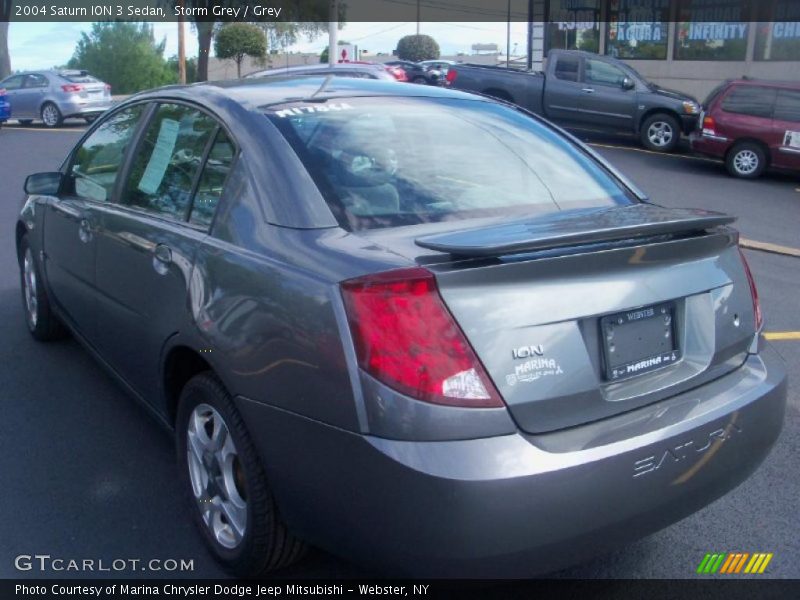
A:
45,563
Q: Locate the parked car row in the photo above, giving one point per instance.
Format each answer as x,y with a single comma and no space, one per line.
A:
749,124
52,96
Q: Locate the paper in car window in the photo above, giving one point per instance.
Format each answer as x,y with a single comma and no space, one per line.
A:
159,160
792,139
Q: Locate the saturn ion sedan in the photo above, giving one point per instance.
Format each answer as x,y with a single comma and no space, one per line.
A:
418,328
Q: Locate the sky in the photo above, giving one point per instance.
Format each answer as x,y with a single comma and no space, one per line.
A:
44,45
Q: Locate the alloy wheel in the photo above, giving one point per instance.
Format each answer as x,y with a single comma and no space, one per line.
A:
660,133
50,115
745,162
216,476
29,284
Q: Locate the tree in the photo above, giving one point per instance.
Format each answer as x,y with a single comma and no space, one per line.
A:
237,40
124,55
417,47
323,57
5,57
191,68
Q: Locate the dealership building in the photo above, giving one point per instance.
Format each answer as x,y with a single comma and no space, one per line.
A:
690,45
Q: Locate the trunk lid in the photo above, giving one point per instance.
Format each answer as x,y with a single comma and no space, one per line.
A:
580,315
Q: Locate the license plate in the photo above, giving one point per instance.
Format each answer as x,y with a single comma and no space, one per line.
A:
639,341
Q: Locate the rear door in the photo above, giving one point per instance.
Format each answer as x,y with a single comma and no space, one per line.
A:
70,241
785,140
563,87
603,102
31,96
147,240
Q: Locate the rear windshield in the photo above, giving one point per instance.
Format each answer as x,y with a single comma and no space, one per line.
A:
387,162
78,78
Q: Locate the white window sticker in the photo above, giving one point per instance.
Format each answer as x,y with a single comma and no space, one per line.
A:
159,160
792,139
305,110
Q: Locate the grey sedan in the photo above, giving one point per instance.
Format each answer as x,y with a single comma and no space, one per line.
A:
412,326
53,96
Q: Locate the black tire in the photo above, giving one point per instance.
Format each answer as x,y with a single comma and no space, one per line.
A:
25,122
45,326
420,80
747,160
660,133
266,544
57,118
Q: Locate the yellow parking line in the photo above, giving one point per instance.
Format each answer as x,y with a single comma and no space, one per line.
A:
768,247
782,335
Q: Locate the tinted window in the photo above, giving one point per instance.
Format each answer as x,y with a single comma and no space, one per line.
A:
77,78
167,162
35,81
567,68
603,73
98,160
787,106
383,162
751,100
13,83
212,180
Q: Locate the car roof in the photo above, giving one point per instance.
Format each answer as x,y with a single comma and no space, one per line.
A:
319,67
256,93
794,85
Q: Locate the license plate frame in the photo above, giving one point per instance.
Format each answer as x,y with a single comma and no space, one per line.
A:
639,341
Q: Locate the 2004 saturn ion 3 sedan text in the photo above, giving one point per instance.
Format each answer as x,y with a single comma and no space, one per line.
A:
412,326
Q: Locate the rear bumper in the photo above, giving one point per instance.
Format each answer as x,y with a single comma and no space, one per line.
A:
710,145
78,108
516,505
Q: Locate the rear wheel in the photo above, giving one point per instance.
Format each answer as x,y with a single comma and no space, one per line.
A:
42,323
660,133
746,160
419,80
51,116
226,484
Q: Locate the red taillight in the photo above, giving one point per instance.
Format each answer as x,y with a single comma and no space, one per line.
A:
72,88
709,125
405,337
753,293
451,75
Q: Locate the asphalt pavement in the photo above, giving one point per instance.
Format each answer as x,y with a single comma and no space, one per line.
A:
89,475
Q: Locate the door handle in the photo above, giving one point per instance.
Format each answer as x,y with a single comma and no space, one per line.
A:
162,258
85,231
588,90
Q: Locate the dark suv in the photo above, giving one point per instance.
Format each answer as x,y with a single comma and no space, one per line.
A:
752,125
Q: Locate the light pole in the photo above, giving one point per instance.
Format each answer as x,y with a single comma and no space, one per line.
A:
333,31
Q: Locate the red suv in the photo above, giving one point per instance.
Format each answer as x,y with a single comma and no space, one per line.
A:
752,125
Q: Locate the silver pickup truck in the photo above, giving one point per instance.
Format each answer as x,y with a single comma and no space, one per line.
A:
581,89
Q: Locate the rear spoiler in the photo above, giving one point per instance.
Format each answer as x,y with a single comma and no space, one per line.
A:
574,228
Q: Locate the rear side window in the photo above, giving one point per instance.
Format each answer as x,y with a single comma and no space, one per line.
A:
385,162
567,68
212,180
787,106
34,80
12,83
98,160
603,73
168,160
751,100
